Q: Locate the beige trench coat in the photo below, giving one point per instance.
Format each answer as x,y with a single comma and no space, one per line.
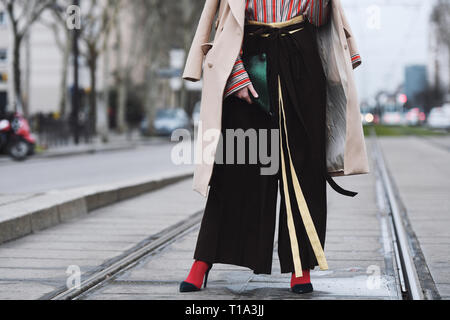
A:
346,149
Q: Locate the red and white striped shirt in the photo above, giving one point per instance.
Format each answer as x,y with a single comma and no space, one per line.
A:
316,11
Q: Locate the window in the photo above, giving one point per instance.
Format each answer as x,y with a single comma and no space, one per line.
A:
3,55
2,18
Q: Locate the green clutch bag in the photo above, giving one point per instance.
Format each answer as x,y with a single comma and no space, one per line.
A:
256,67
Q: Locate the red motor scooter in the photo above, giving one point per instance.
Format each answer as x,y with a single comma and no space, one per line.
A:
15,137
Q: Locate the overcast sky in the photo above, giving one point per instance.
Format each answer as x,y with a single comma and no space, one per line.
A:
398,38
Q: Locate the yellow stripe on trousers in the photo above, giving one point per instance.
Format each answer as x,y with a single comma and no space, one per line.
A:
301,202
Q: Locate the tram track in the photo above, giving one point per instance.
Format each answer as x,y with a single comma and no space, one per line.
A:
109,270
409,262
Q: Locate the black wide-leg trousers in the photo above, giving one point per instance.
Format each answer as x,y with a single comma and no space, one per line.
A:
238,226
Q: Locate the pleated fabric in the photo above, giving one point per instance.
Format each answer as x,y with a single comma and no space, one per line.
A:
238,226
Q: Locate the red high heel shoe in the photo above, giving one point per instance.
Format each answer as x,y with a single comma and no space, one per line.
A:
303,284
199,271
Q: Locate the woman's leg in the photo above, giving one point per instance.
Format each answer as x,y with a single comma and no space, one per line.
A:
197,275
239,221
304,97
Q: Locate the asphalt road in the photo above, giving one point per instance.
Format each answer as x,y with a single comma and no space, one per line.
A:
47,174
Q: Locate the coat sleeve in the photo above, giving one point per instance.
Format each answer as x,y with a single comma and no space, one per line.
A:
194,62
238,79
351,42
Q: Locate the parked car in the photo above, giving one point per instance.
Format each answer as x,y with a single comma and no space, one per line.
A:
415,117
446,108
167,121
439,118
393,118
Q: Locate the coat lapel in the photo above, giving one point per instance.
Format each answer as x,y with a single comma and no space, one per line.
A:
238,9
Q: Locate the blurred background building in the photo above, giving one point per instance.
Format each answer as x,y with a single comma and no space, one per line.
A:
129,66
416,81
404,45
132,54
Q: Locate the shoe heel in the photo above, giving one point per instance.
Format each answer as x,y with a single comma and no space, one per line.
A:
206,277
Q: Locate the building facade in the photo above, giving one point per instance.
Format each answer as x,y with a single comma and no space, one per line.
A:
416,81
41,67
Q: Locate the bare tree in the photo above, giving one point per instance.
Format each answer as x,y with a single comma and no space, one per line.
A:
95,30
152,20
190,13
127,55
22,15
167,25
111,12
63,37
121,76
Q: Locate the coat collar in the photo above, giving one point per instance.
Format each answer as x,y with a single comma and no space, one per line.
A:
238,9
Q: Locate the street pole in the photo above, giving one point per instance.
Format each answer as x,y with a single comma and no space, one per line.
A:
76,89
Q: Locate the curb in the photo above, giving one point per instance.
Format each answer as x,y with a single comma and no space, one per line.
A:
53,208
102,148
54,154
90,150
62,154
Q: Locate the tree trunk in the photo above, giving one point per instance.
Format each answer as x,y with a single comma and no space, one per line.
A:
150,85
122,90
103,123
183,91
183,99
122,103
63,85
93,93
17,81
25,90
150,100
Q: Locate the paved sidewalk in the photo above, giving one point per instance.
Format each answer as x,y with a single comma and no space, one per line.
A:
420,167
23,214
356,244
36,265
